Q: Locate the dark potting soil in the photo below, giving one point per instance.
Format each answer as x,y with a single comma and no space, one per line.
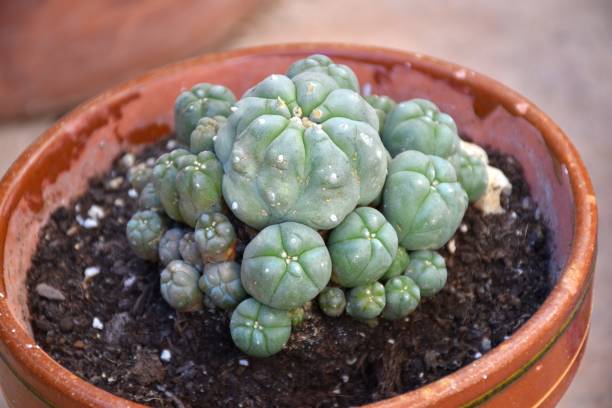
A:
112,328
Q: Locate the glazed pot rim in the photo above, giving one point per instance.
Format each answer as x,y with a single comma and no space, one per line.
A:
504,361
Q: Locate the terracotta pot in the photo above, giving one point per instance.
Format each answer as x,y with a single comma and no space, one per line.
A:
55,53
532,368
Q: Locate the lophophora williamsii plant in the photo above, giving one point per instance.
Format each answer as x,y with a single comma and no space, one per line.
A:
344,198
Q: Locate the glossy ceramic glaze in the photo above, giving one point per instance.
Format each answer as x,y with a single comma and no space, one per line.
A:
532,368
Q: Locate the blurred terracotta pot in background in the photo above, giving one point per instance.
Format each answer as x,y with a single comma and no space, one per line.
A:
54,53
532,368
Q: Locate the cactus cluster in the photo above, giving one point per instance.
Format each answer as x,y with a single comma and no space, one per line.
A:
349,196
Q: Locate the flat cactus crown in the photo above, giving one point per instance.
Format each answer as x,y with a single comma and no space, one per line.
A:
259,330
203,100
169,245
144,231
188,184
285,265
332,301
419,125
428,270
471,174
221,283
300,149
179,286
189,251
204,135
362,247
366,302
215,236
402,295
423,200
342,74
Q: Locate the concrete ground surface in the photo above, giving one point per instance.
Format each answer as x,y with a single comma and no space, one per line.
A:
556,53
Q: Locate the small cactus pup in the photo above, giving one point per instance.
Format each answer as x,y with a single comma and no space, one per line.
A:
144,231
221,283
259,330
164,179
471,174
300,149
285,265
179,286
204,135
332,301
188,248
383,105
423,200
418,124
366,302
342,74
169,245
198,183
297,316
399,265
362,248
203,100
402,295
428,270
139,176
148,198
216,237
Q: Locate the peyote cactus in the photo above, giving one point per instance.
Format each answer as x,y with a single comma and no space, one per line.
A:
204,135
164,179
188,248
259,330
221,283
285,265
300,149
419,125
179,286
362,247
342,74
198,183
366,302
298,155
139,176
423,200
169,245
203,100
383,105
216,237
471,174
400,262
402,295
332,301
148,198
143,231
428,270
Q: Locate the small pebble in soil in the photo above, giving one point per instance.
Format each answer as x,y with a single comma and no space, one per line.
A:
91,271
165,355
49,292
97,324
132,193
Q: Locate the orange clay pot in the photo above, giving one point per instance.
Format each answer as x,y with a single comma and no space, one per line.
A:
532,368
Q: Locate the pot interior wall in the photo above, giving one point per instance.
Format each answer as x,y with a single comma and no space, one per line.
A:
84,144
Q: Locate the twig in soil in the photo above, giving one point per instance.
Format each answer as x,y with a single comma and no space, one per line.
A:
177,402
